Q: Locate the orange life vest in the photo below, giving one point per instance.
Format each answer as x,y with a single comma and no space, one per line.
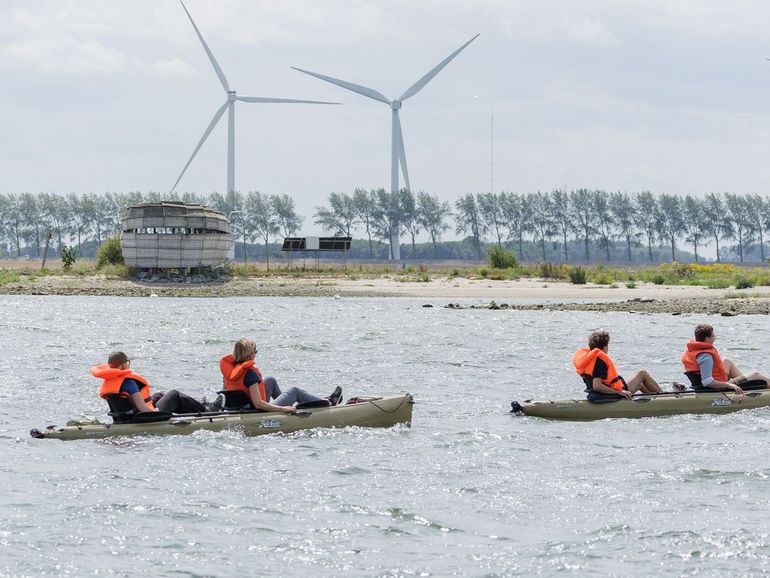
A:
585,359
234,373
695,348
113,379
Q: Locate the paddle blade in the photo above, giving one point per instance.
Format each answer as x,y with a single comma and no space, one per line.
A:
417,86
213,60
217,115
363,90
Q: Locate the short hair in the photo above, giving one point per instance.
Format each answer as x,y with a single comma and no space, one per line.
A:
117,358
703,331
244,349
598,340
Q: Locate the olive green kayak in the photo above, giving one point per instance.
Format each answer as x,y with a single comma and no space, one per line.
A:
367,412
645,405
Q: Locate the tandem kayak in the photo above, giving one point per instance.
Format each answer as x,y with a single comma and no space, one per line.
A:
658,405
366,412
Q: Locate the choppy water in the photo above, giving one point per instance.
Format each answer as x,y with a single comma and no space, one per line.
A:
468,490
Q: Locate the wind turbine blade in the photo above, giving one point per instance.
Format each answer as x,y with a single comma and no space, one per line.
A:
281,100
417,86
213,60
217,115
402,156
370,92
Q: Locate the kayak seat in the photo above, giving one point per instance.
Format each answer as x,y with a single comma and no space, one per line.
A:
314,404
121,408
236,401
595,397
747,385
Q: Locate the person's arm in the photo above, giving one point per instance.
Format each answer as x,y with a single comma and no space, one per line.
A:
130,387
599,387
139,404
706,365
257,402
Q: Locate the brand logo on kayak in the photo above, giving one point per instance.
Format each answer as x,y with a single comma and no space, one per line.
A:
269,423
722,402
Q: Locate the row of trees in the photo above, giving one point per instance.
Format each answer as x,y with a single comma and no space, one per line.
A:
588,219
73,219
592,218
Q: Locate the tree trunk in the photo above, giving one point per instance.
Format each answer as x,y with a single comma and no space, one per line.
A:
716,239
244,248
673,248
761,246
435,254
607,246
588,254
649,248
695,246
267,254
414,248
566,255
628,246
542,246
521,246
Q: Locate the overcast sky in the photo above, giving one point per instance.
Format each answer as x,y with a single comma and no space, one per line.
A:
109,95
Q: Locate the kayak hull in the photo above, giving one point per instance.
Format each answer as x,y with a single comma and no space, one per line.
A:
647,405
374,412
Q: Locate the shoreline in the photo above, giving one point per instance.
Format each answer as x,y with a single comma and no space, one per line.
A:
438,292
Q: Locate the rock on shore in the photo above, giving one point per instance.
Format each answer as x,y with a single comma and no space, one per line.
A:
724,307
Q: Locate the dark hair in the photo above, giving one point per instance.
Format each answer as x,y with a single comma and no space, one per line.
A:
703,331
117,358
598,340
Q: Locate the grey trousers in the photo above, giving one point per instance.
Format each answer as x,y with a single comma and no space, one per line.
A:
289,397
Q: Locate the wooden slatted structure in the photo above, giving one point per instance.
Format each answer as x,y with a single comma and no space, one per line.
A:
171,235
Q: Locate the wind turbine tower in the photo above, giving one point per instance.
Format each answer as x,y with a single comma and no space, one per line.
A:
229,105
397,155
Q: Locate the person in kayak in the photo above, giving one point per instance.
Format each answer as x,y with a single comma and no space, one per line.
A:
705,368
240,374
600,375
119,380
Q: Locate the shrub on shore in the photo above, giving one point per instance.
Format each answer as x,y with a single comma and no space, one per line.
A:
109,253
578,275
500,258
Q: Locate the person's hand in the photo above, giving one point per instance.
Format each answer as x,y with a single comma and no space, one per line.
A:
625,393
737,390
289,409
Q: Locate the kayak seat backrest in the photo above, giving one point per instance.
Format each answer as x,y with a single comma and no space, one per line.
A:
747,385
121,408
694,378
236,401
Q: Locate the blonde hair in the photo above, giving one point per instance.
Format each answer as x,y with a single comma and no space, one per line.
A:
244,349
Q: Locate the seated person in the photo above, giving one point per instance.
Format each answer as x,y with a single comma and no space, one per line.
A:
240,374
705,368
600,375
118,379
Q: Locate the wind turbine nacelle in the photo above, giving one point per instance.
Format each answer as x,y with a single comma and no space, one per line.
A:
395,104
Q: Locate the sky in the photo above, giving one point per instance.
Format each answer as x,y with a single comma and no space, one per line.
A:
671,96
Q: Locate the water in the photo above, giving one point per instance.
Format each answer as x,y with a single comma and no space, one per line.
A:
468,490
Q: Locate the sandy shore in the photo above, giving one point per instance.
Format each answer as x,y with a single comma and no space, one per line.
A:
439,291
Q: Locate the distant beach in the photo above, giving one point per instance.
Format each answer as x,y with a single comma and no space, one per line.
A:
437,291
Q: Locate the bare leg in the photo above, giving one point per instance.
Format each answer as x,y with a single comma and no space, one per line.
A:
731,368
755,375
643,381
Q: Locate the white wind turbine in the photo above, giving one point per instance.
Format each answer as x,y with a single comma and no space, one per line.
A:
397,139
229,105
